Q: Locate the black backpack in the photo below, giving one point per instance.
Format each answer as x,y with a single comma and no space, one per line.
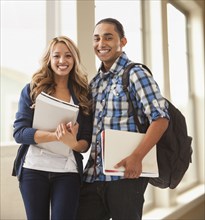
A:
174,149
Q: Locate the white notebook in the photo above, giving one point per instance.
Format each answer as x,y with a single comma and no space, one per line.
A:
48,114
117,145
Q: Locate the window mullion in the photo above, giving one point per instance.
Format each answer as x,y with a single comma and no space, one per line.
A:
165,48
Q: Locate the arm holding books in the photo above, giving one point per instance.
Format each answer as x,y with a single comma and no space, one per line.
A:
133,163
66,134
44,136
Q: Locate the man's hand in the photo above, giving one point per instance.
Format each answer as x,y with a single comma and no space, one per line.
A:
132,165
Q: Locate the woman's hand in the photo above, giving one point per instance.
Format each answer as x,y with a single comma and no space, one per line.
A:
72,128
67,133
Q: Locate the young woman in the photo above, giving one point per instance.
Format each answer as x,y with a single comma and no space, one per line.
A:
50,183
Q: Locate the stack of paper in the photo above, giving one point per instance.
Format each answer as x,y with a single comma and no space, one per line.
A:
49,113
116,145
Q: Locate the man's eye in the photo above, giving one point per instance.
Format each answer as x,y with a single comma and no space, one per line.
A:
108,38
96,39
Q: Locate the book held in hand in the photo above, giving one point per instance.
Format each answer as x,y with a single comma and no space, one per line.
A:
116,145
48,114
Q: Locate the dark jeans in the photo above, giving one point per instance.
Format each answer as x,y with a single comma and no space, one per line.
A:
47,192
119,200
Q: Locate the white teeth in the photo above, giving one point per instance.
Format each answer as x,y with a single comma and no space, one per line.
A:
62,67
103,51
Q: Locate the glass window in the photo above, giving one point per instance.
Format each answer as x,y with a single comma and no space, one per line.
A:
155,51
23,25
179,77
68,21
178,56
23,36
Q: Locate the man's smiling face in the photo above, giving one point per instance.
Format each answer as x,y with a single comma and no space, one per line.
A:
107,43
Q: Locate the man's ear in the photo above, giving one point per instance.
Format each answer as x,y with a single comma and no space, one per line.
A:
123,41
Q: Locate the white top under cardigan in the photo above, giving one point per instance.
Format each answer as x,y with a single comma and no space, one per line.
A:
42,159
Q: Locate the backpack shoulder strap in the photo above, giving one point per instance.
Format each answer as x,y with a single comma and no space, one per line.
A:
125,76
125,84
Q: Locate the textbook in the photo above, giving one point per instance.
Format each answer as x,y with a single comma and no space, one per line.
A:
48,114
117,144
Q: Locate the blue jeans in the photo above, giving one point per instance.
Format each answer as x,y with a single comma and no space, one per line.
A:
47,192
119,200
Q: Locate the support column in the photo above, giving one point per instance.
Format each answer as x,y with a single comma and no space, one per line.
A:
85,26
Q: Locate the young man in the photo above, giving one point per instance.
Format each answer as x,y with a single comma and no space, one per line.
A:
120,198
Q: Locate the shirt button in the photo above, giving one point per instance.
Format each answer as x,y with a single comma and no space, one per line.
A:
98,159
155,103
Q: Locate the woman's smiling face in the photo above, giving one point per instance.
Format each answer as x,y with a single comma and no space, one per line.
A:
61,59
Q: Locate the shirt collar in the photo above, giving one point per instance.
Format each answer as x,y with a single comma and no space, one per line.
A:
117,66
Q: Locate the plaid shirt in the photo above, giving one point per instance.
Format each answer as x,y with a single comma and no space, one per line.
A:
111,108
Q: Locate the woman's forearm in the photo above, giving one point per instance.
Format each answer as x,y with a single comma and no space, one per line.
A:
44,136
